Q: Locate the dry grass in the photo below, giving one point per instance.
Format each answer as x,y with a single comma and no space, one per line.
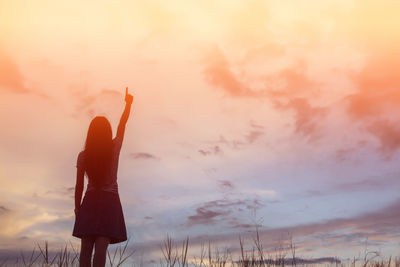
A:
176,255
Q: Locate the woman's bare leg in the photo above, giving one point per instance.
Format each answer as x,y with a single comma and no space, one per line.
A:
100,251
85,257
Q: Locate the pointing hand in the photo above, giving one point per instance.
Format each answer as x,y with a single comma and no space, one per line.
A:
128,97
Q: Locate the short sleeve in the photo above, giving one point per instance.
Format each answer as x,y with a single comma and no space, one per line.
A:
80,163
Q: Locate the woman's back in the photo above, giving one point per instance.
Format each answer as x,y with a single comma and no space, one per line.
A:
110,183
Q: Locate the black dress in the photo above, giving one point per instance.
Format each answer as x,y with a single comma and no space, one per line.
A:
101,215
101,212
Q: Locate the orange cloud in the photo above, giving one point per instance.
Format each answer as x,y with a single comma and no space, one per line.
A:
295,82
307,117
377,100
11,78
378,86
264,52
218,73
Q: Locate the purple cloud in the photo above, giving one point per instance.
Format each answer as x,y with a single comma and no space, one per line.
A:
209,212
225,184
213,151
143,155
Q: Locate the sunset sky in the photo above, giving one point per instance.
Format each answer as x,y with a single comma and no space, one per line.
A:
279,114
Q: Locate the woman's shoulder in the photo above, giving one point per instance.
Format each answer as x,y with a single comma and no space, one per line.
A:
81,159
81,154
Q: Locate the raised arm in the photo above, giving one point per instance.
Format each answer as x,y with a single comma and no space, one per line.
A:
125,115
79,188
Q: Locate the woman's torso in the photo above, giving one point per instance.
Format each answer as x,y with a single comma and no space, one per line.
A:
111,184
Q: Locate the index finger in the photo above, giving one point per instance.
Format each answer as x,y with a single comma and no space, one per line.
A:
126,90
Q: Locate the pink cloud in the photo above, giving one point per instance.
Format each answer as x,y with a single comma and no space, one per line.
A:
388,135
253,136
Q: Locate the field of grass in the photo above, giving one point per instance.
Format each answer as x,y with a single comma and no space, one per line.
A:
176,255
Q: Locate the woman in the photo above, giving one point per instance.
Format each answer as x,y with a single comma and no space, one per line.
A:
99,218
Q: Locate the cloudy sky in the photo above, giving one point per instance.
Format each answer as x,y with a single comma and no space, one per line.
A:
278,114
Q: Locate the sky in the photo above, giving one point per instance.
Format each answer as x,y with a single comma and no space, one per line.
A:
280,116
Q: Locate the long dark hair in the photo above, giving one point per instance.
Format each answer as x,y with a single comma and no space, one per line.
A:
98,151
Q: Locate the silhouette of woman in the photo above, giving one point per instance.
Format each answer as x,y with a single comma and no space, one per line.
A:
99,220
